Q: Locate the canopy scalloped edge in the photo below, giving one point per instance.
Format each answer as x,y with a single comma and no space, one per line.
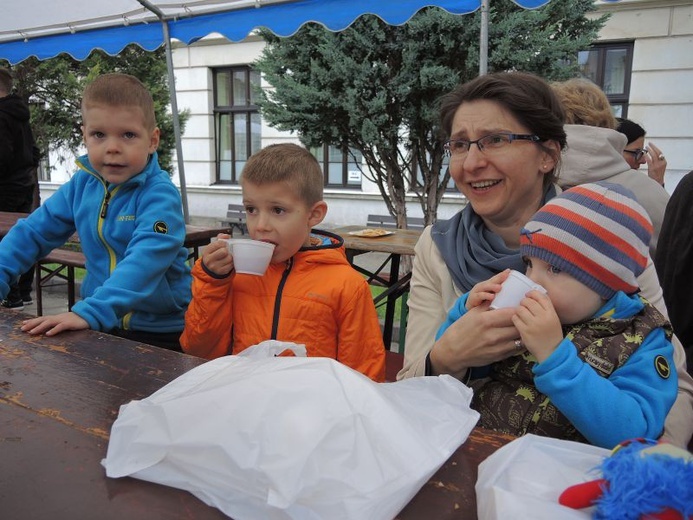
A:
335,15
281,19
79,45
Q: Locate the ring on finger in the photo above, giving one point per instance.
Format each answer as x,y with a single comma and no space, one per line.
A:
519,345
661,156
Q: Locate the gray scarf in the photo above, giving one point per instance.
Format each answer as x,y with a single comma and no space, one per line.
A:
471,251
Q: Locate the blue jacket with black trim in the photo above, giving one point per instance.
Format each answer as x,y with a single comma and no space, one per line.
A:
132,237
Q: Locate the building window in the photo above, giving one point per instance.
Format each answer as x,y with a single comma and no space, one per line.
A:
44,170
237,121
341,170
449,187
609,65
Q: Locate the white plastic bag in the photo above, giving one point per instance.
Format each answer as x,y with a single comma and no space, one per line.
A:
292,437
524,478
272,347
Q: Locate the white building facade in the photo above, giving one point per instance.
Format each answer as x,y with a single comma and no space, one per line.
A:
646,44
661,73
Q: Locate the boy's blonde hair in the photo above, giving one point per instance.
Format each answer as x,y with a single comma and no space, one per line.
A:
584,103
120,90
287,163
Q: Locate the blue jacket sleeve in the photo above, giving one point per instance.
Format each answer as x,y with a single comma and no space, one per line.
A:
633,402
456,312
32,238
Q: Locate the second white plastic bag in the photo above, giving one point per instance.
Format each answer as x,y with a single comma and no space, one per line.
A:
524,479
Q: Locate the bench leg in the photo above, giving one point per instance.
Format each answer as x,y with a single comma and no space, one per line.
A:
42,281
37,290
70,287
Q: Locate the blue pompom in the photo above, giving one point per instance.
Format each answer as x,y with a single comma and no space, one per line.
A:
645,482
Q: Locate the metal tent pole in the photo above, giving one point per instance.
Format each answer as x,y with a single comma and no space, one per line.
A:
174,105
483,40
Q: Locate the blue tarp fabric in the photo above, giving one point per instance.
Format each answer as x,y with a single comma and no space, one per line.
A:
283,18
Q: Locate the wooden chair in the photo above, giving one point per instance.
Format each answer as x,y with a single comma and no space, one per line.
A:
235,218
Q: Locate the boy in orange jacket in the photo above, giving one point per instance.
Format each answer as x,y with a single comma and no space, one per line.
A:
309,293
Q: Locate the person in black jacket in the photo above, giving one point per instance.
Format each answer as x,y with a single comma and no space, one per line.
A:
674,260
18,167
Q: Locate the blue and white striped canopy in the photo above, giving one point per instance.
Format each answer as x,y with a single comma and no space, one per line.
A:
47,28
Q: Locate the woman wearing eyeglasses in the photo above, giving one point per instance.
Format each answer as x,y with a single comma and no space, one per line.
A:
636,153
506,136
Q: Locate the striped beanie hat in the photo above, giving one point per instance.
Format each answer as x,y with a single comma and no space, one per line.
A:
598,233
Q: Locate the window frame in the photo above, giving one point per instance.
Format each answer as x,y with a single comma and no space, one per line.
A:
325,167
221,112
602,48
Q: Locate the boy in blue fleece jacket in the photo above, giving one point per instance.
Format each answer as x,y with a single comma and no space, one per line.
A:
594,361
130,222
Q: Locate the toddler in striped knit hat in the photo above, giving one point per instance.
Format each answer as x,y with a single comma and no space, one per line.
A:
595,359
583,247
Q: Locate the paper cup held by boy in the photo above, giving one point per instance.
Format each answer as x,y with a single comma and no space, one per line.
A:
250,256
513,290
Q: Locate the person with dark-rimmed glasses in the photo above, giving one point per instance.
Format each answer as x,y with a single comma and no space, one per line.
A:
636,153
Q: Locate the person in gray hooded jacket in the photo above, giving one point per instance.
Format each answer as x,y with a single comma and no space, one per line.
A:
595,150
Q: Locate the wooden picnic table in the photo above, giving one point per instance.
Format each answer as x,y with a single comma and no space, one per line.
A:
59,397
400,242
195,236
62,262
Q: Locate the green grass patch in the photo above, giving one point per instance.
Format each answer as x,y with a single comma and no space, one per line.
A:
375,291
79,272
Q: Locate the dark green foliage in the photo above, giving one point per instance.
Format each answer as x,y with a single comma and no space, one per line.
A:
55,87
375,87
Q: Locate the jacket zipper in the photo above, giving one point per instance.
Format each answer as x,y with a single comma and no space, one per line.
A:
278,299
125,320
104,206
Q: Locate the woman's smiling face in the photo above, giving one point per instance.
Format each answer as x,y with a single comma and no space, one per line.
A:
504,186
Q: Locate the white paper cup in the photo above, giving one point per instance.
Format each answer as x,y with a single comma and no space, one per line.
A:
250,256
513,290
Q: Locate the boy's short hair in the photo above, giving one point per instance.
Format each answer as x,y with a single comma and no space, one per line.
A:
120,90
6,82
289,163
598,233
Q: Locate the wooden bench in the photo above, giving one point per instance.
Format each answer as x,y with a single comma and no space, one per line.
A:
67,261
388,221
235,218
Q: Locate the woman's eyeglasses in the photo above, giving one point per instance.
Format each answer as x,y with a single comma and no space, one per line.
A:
488,143
637,153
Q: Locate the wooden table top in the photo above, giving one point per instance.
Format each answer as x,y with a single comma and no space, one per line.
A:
59,397
400,242
9,219
195,236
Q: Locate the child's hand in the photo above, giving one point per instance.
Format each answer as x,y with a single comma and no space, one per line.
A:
538,324
217,258
52,325
486,291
